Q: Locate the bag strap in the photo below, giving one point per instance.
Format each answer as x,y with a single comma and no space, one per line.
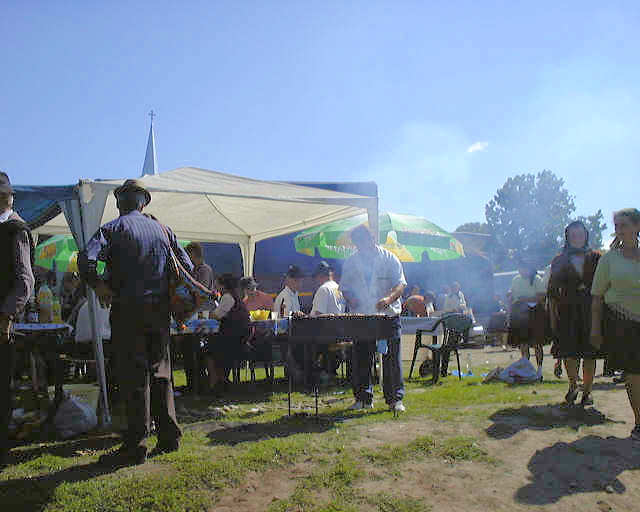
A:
180,267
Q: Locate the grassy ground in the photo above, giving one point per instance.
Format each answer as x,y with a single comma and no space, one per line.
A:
323,464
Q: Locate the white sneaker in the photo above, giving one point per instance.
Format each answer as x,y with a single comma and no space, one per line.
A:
398,407
358,406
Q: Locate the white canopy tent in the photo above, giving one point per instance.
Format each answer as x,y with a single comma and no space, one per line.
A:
209,206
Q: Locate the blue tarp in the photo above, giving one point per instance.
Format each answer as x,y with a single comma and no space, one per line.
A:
38,205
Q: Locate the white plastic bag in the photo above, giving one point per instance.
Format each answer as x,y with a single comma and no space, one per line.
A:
74,417
520,372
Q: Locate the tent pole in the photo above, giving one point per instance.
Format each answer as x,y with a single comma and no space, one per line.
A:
105,416
374,221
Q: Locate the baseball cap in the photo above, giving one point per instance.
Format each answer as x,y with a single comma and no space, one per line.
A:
294,272
322,268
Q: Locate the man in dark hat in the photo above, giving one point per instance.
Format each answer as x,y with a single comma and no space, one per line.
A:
16,286
288,300
137,253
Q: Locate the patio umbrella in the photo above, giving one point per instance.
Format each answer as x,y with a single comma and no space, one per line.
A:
60,253
407,236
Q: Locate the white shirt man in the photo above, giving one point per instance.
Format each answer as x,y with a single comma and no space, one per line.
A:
370,277
372,281
289,295
328,299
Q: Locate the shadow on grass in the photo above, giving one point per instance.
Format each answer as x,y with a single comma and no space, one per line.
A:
285,426
67,449
508,422
590,464
26,494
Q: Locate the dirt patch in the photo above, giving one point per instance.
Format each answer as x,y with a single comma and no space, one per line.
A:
259,490
549,457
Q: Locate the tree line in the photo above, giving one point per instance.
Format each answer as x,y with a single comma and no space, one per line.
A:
527,217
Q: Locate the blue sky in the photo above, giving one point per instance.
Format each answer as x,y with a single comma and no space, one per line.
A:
438,102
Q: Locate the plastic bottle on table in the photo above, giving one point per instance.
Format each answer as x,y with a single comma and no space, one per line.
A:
31,313
45,302
56,310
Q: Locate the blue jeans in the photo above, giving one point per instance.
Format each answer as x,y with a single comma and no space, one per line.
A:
362,360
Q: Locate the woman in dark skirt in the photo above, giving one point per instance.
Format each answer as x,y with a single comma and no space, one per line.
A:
527,317
616,306
226,347
569,295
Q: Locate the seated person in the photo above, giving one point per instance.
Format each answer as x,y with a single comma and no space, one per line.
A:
254,298
288,300
418,305
441,299
429,299
456,302
226,347
328,299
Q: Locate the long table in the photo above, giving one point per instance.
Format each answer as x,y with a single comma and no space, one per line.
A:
409,325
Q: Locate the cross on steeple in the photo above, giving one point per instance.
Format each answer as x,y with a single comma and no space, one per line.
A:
152,114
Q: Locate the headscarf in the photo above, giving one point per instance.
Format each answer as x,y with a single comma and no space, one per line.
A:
568,249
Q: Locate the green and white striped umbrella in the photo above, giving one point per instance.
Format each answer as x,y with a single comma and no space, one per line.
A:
407,236
60,253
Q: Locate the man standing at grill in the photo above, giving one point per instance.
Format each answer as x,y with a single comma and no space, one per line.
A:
136,250
16,286
372,282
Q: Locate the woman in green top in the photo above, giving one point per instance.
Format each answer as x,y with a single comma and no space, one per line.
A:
616,306
527,319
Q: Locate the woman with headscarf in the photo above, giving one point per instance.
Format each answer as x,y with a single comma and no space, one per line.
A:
615,314
527,319
569,295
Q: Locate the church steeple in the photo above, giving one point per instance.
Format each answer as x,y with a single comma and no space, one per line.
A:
150,165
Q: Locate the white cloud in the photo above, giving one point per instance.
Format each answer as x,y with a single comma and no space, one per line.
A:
477,146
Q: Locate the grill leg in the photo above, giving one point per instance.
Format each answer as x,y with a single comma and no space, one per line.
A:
289,394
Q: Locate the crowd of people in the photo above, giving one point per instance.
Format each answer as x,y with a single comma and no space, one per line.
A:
588,304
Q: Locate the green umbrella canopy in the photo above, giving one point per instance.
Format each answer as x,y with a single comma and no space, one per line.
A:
407,236
61,252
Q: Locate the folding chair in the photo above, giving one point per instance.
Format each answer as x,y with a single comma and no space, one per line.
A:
456,328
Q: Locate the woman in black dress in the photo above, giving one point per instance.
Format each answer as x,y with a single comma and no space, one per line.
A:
569,295
226,347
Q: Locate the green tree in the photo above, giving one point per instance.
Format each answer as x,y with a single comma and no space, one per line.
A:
596,226
527,216
474,227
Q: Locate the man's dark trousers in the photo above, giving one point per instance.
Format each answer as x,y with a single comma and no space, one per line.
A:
141,337
362,359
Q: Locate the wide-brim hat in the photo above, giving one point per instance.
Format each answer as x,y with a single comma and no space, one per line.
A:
133,186
5,184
